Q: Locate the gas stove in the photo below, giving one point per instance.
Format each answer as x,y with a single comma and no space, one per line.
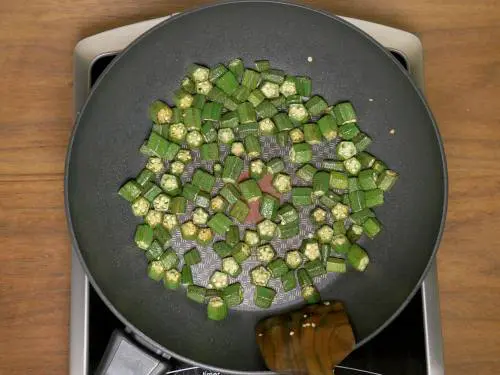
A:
410,345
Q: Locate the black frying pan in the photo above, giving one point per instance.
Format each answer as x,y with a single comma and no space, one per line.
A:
347,64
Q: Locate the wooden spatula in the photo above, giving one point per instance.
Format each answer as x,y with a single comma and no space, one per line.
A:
309,341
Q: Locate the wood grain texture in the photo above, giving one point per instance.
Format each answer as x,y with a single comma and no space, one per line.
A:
462,62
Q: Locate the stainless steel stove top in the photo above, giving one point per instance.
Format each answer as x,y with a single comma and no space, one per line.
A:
97,48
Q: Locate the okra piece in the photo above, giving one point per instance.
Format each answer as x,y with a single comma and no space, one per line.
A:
188,85
217,309
277,267
144,177
238,149
289,230
337,265
250,128
267,127
186,275
205,236
241,252
296,135
260,276
339,227
196,293
236,67
227,83
282,138
170,184
209,132
189,231
192,257
194,139
346,150
262,65
320,183
333,165
229,191
366,159
310,249
379,166
264,297
178,205
302,196
306,172
222,249
367,179
294,99
250,190
326,250
315,268
358,258
318,216
341,244
160,112
301,153
288,87
251,238
204,180
304,278
273,75
311,294
353,184
143,236
304,86
282,183
361,141
140,207
212,111
312,134
217,169
329,200
233,235
328,127
183,99
265,253
360,217
325,234
316,105
256,97
239,211
150,191
233,166
266,229
153,218
154,251
287,214
218,204
293,259
357,200
233,295
374,198
348,131
177,167
155,165
275,165
231,266
338,180
372,227
266,109
251,79
170,222
190,192
219,280
219,223
282,122
387,179
352,166
155,271
252,146
216,72
298,113
241,94
246,113
340,211
162,235
159,146
198,73
192,118
172,279
344,113
355,232
229,120
225,136
269,207
209,151
257,169
289,281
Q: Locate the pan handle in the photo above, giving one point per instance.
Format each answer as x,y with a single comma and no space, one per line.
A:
123,357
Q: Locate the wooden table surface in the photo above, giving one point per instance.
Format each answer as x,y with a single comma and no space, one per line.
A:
462,66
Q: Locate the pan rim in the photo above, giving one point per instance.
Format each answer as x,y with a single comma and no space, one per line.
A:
174,17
